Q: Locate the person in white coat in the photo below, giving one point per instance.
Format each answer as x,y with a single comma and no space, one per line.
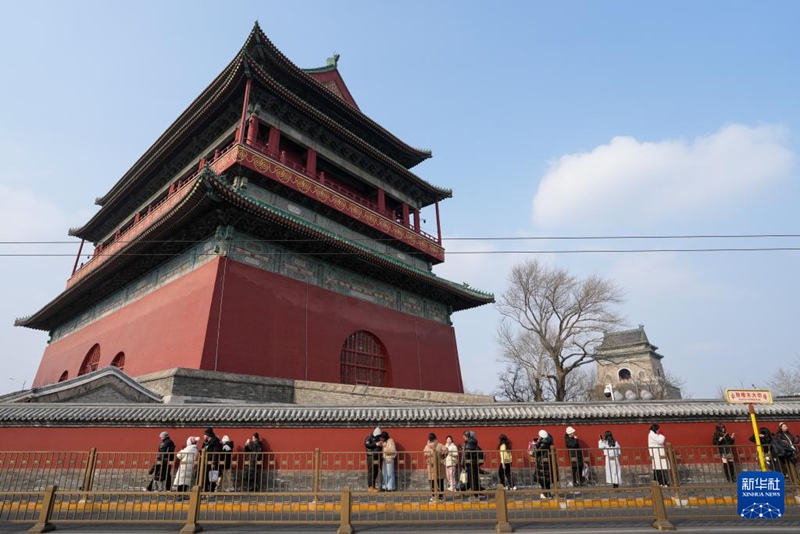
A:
658,455
185,474
451,463
611,451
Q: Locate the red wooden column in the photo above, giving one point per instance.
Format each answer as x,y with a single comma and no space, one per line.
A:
252,130
274,140
405,214
311,162
438,225
240,130
78,257
382,200
416,221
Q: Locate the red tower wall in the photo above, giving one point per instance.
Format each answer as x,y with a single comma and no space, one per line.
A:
271,325
162,330
280,327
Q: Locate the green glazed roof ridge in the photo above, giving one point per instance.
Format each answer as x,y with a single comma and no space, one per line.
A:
348,242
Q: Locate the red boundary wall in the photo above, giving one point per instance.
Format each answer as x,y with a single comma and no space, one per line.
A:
128,439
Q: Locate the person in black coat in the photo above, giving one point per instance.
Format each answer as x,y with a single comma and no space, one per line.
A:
724,442
784,452
575,457
542,446
374,448
765,437
162,469
254,448
212,446
472,458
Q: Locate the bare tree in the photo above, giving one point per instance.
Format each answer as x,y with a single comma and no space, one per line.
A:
518,384
785,381
553,322
525,376
515,385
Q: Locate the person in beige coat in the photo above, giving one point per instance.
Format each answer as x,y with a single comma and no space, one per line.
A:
435,454
388,477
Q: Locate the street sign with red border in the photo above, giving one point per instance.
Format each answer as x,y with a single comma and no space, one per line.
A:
748,396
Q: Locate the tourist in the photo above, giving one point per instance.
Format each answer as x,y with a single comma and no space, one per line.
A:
471,457
611,451
225,464
724,442
540,450
575,457
212,446
658,455
388,477
162,469
254,449
765,438
186,459
784,450
435,454
451,463
504,470
374,447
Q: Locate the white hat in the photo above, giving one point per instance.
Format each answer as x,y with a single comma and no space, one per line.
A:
543,434
225,438
377,431
570,430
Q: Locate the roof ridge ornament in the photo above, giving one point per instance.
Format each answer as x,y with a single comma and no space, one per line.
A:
333,61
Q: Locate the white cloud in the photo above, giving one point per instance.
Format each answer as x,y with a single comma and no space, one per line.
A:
647,182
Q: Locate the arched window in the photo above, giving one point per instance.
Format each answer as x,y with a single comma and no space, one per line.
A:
363,360
64,377
91,361
119,361
624,374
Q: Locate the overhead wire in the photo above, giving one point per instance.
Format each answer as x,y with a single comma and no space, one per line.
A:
479,238
646,250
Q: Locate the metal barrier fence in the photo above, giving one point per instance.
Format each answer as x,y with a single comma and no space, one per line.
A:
318,471
331,488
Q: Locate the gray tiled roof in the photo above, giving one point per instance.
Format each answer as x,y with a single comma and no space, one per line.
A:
292,416
83,385
626,338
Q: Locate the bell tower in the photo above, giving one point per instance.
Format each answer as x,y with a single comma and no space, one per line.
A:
630,365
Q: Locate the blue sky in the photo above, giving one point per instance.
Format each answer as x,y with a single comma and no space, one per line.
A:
546,119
